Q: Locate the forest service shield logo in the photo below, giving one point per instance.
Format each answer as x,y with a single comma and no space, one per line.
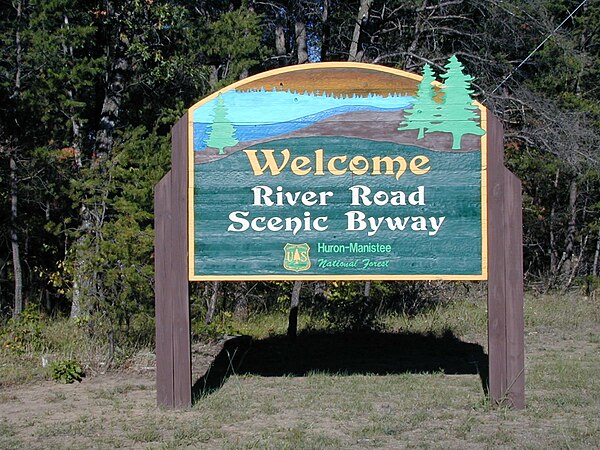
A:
296,257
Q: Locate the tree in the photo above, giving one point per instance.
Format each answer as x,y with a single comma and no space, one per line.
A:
89,91
418,116
355,52
456,114
233,45
222,132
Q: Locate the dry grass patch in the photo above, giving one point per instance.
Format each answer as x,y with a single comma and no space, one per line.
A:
323,408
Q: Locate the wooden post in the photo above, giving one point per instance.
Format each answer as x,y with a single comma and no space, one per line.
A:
505,280
173,347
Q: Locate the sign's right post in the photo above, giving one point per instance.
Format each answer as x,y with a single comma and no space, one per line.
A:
505,275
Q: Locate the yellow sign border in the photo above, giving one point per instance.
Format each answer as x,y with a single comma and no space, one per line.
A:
347,65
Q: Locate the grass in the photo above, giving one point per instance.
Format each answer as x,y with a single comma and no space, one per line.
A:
325,409
28,348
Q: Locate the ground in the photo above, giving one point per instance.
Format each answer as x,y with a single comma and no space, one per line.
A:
330,408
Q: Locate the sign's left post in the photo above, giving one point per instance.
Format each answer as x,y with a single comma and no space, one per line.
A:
173,346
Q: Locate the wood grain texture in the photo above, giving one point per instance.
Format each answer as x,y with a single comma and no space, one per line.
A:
173,349
353,79
163,305
182,363
315,106
496,261
505,281
515,333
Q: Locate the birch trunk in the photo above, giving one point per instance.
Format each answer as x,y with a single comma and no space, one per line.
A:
355,54
212,304
301,49
14,183
14,239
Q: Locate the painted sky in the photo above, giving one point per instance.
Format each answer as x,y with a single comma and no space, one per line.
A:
264,114
264,107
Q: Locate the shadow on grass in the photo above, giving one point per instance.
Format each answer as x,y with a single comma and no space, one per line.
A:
344,353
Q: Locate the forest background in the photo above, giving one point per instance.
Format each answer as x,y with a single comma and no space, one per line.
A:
89,91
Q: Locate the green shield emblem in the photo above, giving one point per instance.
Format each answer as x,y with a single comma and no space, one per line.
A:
296,257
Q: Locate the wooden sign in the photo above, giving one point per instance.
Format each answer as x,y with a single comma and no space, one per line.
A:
339,171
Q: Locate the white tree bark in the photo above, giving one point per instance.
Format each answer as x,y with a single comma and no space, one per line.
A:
355,54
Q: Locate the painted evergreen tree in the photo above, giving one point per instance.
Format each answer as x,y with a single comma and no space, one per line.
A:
221,130
456,115
419,115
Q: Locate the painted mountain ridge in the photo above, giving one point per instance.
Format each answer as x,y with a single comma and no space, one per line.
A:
376,126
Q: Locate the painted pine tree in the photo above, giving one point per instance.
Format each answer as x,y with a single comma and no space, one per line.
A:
456,115
221,130
419,115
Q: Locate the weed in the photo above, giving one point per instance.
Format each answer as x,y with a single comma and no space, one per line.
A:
146,434
6,397
66,371
56,397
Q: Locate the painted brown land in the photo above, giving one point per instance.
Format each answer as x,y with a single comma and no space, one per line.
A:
371,125
338,81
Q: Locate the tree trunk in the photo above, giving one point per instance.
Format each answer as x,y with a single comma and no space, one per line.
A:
566,260
92,216
111,108
76,122
212,304
14,183
576,262
240,309
301,49
18,51
320,290
326,30
596,255
571,227
280,49
553,247
292,330
14,238
363,15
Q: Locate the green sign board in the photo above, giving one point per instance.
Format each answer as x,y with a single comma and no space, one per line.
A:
339,171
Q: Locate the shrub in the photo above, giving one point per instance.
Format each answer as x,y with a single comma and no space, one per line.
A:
66,371
24,333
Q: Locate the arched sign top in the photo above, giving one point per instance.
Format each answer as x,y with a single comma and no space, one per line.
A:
274,77
339,171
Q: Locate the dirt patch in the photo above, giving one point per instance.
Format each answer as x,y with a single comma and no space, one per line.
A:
323,406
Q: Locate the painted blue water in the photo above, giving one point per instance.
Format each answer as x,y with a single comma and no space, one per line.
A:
264,114
283,106
249,132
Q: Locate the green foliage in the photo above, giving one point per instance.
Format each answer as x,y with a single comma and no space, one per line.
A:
222,325
233,41
346,308
85,223
66,371
118,251
23,334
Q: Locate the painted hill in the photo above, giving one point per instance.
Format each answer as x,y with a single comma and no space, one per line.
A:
377,126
